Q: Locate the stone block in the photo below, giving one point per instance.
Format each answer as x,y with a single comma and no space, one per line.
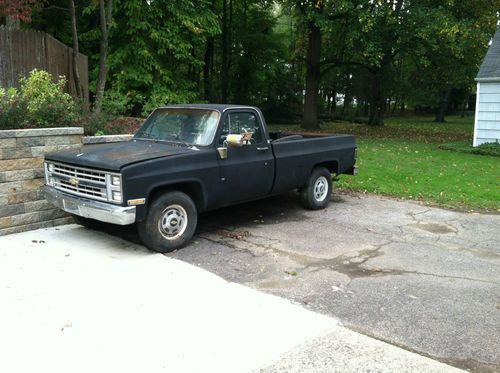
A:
9,210
40,151
5,222
7,143
37,206
36,217
36,132
33,195
40,225
106,139
31,141
20,164
10,188
6,176
32,184
63,140
15,153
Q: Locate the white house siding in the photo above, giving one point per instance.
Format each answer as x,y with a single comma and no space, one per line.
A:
487,123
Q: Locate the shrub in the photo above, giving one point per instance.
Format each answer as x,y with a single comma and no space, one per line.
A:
94,123
492,149
39,102
116,103
12,109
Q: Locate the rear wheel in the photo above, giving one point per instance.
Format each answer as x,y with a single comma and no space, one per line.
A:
170,223
316,195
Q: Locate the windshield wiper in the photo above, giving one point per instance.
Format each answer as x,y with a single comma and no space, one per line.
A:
146,136
176,138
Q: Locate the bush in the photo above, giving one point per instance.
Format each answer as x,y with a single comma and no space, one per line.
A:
12,108
116,103
39,103
98,124
492,149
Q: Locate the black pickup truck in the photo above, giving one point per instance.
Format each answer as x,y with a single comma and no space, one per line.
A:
187,159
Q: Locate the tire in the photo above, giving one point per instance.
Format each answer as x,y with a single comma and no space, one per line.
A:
316,195
87,223
170,222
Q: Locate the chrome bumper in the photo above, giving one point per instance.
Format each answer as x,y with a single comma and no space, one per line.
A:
88,208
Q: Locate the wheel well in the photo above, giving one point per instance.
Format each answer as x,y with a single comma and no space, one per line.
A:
192,189
332,166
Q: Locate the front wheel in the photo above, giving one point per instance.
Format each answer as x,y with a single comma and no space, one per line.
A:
316,195
170,223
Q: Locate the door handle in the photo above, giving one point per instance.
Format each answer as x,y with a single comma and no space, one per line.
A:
263,149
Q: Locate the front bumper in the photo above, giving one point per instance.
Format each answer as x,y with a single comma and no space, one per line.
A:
88,208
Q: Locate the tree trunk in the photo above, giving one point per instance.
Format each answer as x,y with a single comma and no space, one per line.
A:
443,107
207,81
104,22
74,33
224,72
377,101
313,76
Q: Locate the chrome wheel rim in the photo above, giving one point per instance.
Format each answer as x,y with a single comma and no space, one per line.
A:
173,222
320,189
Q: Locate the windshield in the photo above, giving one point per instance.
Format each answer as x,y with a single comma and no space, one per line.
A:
186,126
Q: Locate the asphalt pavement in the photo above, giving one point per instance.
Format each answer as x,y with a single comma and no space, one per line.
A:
422,278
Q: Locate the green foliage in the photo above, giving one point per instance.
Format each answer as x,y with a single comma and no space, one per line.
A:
152,48
407,51
12,109
102,123
39,103
491,149
115,102
94,124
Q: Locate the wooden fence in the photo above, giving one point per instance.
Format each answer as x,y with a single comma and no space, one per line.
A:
24,50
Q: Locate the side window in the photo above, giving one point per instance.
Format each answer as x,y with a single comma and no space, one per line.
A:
238,123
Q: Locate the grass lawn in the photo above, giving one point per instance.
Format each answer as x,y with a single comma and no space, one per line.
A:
403,159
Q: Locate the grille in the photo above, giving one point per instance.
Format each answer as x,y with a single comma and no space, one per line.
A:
80,181
82,174
82,190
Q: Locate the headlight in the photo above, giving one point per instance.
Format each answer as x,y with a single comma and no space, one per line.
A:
50,167
117,196
116,180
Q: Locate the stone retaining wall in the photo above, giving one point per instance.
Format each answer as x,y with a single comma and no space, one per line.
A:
88,140
22,206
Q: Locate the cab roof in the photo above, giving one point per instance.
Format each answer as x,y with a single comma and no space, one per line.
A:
218,107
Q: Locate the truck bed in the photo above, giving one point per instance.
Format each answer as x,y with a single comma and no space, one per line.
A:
296,155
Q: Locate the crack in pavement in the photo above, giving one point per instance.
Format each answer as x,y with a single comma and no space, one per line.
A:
350,265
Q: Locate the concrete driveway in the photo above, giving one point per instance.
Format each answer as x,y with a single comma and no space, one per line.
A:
422,278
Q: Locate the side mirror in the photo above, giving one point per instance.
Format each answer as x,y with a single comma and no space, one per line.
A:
234,141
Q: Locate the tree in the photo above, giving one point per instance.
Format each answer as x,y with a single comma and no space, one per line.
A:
105,17
17,10
315,15
74,34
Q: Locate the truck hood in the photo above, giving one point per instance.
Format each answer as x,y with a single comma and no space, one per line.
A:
114,156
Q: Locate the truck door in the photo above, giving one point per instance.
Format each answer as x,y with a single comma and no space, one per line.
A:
248,171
